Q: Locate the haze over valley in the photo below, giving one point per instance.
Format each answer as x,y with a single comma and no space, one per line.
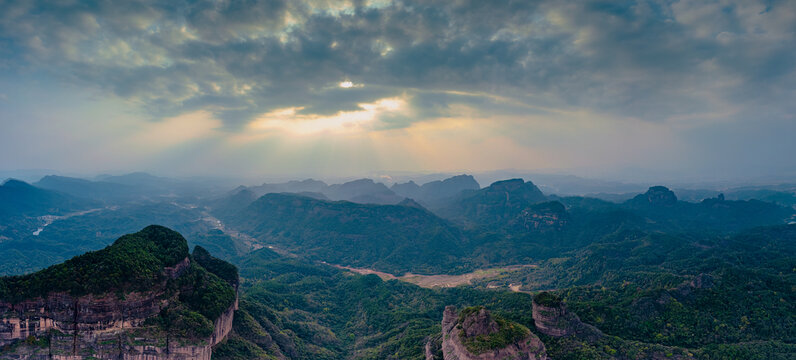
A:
397,179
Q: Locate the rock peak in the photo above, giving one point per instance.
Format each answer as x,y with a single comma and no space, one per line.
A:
475,334
655,196
552,318
477,321
660,195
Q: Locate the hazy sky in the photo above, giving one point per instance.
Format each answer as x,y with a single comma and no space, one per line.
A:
693,88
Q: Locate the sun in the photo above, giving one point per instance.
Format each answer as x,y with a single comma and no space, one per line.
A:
346,84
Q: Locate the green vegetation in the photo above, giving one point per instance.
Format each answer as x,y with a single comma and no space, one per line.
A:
65,238
319,312
660,277
198,298
133,263
391,238
236,348
204,292
469,311
508,333
180,322
20,199
652,294
219,267
547,299
136,262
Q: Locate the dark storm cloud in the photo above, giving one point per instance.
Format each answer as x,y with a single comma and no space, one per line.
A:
648,59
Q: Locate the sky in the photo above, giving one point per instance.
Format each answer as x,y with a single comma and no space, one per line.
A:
694,89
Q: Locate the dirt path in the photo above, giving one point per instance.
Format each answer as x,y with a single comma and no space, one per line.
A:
432,281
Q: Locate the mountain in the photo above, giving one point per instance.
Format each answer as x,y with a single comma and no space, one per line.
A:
562,185
363,191
476,334
662,209
408,189
293,309
656,196
99,190
30,244
389,238
449,187
496,204
143,297
18,198
294,186
139,179
434,192
131,187
234,201
652,278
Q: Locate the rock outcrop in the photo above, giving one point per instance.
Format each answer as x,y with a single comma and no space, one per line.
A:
655,196
544,216
551,317
110,325
466,336
503,201
100,327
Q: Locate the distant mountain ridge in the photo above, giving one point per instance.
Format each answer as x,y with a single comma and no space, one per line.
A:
367,191
500,202
128,187
662,206
87,188
18,198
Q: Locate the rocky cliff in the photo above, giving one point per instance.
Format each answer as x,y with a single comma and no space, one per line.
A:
656,196
544,216
475,334
160,323
551,317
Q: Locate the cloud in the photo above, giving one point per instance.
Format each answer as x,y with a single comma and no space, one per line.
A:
550,79
240,59
292,121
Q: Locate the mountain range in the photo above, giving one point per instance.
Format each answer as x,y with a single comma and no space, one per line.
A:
362,271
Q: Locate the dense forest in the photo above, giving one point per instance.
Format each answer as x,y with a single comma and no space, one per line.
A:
653,275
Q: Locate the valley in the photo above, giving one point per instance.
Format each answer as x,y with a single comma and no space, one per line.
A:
443,280
46,220
352,279
397,180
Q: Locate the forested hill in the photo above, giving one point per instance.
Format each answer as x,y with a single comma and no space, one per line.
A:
144,294
393,238
20,199
133,262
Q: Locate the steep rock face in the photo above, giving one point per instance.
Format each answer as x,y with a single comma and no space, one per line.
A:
113,324
68,314
551,317
223,325
105,327
655,196
480,323
456,331
545,216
